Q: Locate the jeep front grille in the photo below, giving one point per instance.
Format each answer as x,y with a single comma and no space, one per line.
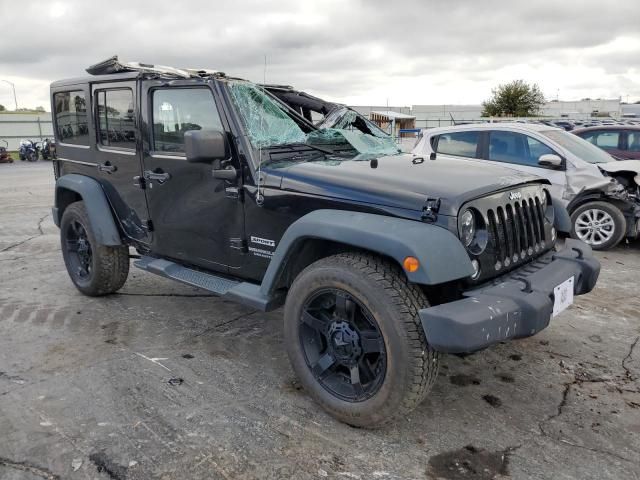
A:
516,230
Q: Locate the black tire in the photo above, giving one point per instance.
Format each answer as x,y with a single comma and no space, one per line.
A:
599,224
98,269
382,291
32,156
22,157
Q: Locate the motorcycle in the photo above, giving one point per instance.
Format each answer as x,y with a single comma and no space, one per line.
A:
48,150
28,150
4,154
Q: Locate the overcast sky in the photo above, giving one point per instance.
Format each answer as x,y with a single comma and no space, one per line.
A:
356,52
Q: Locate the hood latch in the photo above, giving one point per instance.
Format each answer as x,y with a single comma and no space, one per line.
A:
430,210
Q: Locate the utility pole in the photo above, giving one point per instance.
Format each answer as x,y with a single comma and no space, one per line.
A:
15,99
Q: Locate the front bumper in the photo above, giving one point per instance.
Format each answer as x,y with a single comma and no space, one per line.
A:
519,305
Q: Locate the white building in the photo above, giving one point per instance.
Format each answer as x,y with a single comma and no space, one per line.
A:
631,111
583,109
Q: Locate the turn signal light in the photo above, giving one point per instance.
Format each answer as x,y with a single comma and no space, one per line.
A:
411,264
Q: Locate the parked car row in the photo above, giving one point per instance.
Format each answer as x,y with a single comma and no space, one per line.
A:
572,124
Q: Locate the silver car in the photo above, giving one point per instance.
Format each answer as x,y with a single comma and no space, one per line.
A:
601,194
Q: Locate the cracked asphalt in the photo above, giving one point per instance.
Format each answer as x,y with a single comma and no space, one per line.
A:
162,381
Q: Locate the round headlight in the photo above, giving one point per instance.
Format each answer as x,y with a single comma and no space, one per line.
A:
467,227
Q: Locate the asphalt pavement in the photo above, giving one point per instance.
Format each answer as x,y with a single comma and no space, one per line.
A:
163,381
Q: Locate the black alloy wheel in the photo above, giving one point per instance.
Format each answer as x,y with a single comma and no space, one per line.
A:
79,251
95,269
342,345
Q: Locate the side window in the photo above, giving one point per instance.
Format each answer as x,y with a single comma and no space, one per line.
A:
512,147
461,144
115,118
178,110
537,149
589,136
606,140
71,117
633,141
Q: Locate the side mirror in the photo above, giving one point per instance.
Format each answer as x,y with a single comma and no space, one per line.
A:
205,146
550,160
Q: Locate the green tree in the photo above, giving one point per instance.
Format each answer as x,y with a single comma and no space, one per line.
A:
2,109
514,99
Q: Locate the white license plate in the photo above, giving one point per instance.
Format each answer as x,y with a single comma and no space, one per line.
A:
563,296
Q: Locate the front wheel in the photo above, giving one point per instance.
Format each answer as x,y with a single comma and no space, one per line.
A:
94,269
599,224
32,156
355,340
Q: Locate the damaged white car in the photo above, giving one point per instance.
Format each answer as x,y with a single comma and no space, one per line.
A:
601,194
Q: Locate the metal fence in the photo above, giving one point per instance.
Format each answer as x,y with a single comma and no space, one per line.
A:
17,126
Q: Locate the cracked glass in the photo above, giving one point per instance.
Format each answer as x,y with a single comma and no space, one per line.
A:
268,124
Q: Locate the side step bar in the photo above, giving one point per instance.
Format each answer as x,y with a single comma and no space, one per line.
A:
242,292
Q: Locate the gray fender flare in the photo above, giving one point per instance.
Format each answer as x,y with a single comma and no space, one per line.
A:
95,201
562,219
441,255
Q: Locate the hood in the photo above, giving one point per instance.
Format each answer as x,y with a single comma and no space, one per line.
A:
399,181
631,166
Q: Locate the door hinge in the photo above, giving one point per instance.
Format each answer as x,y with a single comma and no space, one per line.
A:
234,193
238,244
430,209
148,225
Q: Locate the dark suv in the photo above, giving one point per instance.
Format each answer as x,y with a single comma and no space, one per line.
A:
382,260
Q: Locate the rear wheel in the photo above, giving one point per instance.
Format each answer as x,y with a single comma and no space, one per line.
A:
599,224
94,269
355,341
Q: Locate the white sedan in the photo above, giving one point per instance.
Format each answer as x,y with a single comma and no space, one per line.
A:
600,193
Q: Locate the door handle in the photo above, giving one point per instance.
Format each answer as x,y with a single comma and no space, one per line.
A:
157,175
107,167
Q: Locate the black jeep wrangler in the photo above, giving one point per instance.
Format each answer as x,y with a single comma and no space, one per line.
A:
382,260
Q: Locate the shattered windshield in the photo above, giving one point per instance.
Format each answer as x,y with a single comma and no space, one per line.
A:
364,144
346,119
268,124
579,147
265,122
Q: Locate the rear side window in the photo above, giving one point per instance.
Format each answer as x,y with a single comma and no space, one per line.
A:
178,110
461,144
633,141
71,117
116,118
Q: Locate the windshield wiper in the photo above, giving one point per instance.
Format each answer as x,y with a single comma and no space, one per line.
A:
302,144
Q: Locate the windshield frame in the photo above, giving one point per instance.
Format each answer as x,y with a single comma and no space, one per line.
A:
577,147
